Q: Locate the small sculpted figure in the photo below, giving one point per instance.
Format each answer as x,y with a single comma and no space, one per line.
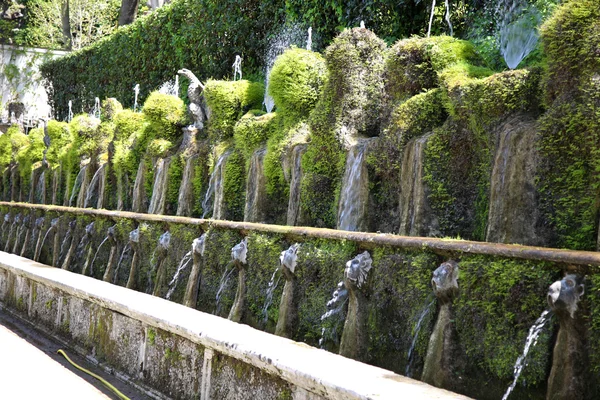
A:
443,353
198,109
191,291
570,365
162,251
288,306
354,343
112,257
239,253
134,242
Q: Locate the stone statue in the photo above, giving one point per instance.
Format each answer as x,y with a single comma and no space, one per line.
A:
354,343
288,306
198,109
570,365
191,291
239,253
443,353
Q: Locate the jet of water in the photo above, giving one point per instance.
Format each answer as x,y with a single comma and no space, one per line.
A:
70,114
422,316
136,91
309,40
183,264
334,307
237,68
269,295
532,337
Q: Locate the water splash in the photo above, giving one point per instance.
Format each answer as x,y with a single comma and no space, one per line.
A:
96,111
213,199
183,264
424,313
518,30
136,91
237,68
355,190
532,337
170,87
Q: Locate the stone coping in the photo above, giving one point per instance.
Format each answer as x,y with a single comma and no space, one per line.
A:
367,240
317,371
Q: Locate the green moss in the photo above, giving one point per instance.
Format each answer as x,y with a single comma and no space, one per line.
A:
228,101
252,131
499,301
159,148
569,141
234,186
296,80
166,114
28,156
13,141
88,142
570,39
458,156
414,64
110,108
60,137
593,294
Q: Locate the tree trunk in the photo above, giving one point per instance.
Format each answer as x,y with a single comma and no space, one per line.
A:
66,24
128,11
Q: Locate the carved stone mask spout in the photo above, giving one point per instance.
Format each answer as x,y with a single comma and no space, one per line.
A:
164,242
89,229
357,269
112,235
39,222
72,224
17,219
199,245
54,223
564,295
445,281
240,251
134,238
6,217
288,260
26,221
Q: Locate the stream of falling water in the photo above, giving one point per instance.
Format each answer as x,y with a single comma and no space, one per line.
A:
269,295
95,190
532,337
408,372
255,188
334,307
96,255
77,185
159,189
293,210
214,194
355,190
229,269
125,251
183,264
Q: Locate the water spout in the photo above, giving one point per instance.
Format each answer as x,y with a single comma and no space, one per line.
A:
288,306
136,91
159,265
239,254
409,364
77,186
237,68
112,257
191,291
95,191
186,193
69,238
134,243
183,264
52,229
518,30
70,114
309,40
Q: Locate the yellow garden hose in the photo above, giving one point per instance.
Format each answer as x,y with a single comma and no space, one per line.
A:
104,381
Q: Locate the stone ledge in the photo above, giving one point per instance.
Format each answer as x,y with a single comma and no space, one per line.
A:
306,368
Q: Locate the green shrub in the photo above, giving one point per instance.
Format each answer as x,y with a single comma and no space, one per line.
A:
252,131
85,131
60,136
110,108
296,81
10,144
165,114
228,101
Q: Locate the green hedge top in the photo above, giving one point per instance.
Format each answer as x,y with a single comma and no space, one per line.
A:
10,144
201,35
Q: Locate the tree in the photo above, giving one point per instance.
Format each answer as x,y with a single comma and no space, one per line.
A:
128,12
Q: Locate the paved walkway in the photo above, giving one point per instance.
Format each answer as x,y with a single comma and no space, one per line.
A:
31,369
